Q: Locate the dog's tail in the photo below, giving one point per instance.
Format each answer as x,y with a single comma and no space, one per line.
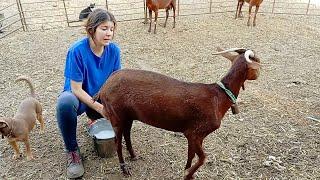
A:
26,79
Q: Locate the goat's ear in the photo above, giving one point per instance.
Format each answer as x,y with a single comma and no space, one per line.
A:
254,65
219,49
241,51
227,55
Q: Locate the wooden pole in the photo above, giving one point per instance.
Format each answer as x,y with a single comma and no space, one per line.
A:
107,6
21,14
210,6
65,11
178,7
145,11
308,7
274,1
24,18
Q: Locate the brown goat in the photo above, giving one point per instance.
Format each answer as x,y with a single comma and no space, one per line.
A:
194,109
155,5
251,3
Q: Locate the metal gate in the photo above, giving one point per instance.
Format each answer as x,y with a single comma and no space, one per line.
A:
47,14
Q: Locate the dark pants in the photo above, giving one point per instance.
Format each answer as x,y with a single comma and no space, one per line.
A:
68,108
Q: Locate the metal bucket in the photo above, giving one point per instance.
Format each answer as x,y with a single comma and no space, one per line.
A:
103,137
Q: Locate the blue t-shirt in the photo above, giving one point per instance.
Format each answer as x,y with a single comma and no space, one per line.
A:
82,65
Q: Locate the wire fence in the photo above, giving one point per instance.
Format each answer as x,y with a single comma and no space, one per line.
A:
48,14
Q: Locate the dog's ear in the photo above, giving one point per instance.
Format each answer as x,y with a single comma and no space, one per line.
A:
3,124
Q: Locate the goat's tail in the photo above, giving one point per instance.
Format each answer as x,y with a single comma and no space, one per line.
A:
171,5
109,112
26,79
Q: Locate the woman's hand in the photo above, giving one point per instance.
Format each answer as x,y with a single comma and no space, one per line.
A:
84,97
99,108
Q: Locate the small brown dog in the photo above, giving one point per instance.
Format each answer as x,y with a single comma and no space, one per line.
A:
18,128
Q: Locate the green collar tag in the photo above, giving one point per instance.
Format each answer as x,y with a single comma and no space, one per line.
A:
228,92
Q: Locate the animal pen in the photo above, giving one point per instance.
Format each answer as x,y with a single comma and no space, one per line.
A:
48,14
276,135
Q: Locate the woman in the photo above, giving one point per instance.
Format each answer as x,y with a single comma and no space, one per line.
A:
90,61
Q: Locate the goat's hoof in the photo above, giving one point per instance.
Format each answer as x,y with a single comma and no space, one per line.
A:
29,158
125,170
16,156
188,178
134,158
187,175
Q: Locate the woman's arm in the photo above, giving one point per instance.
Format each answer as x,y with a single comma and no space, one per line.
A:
84,97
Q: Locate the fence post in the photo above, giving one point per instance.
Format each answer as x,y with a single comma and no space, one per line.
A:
65,11
1,17
107,6
21,14
145,11
210,6
308,7
178,7
274,1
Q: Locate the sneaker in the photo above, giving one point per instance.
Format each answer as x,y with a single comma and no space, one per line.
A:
75,167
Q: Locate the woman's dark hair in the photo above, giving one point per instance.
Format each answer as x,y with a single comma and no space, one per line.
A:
95,18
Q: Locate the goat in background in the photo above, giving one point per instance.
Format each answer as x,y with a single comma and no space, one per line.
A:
155,5
251,3
85,12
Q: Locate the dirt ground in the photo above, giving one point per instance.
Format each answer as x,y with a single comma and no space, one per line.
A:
273,137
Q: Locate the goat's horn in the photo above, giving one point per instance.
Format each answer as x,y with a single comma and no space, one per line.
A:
228,50
248,54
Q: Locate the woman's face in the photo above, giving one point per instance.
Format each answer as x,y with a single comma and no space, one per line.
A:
104,33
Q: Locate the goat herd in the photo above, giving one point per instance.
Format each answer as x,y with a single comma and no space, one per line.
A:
155,5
